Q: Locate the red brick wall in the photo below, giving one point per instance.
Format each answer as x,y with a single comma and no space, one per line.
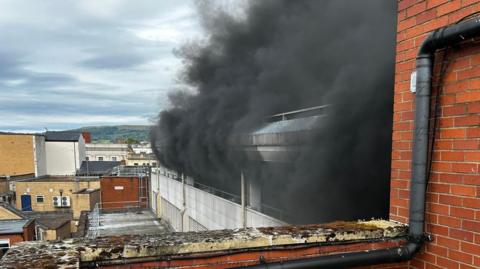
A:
251,257
14,238
453,197
128,197
29,231
87,137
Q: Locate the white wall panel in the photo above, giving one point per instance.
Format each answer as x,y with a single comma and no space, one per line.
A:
205,210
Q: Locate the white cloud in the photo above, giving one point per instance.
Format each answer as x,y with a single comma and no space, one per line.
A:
60,56
15,121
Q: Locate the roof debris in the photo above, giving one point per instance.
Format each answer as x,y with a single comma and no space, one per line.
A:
71,253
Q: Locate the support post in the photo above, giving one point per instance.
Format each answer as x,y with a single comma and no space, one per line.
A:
242,197
184,206
158,197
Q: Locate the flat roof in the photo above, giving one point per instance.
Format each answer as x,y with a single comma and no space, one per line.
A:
97,167
59,179
11,133
63,136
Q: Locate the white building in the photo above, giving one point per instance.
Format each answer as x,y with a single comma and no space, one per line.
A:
143,147
106,152
134,159
65,152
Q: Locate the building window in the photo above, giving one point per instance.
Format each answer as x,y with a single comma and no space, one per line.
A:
40,198
100,158
154,164
114,158
87,158
135,164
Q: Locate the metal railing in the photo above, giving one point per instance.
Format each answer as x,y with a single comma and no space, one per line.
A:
124,170
94,217
217,192
172,214
123,205
94,222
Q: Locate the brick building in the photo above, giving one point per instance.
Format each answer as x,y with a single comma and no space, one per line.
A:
15,231
453,193
47,225
123,192
40,194
22,154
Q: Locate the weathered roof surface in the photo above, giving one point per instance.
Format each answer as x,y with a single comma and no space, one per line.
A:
12,226
50,220
96,167
71,253
62,136
52,224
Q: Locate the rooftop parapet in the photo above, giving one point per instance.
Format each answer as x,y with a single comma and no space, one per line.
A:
167,249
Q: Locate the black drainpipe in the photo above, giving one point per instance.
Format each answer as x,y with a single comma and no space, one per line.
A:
439,39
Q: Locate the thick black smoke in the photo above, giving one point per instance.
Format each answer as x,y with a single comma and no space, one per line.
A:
285,55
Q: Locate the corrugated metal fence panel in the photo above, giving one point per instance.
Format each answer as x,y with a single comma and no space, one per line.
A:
153,201
207,210
257,219
195,225
212,211
172,214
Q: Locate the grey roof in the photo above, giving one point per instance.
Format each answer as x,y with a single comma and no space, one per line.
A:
96,167
86,191
13,133
12,226
50,219
63,136
293,125
52,223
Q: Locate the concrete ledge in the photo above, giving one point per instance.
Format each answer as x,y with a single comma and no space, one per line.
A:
79,252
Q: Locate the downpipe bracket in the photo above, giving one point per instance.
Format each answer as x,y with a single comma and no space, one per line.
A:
428,237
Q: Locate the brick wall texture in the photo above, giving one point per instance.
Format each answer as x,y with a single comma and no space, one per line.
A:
16,155
123,192
453,195
48,189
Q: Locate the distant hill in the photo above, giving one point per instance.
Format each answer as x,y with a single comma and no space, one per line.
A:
111,134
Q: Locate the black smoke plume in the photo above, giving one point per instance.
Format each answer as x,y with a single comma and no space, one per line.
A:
279,56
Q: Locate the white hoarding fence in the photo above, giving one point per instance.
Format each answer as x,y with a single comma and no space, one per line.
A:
204,210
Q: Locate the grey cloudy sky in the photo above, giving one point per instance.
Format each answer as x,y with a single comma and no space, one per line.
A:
67,64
